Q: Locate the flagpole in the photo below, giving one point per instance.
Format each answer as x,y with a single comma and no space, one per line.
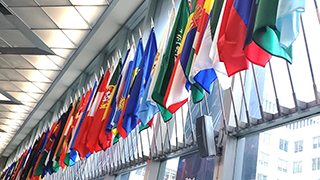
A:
293,92
120,155
124,153
112,157
309,61
168,133
141,142
245,100
184,131
275,90
234,108
258,93
133,154
222,108
317,10
155,136
200,109
148,143
130,161
191,123
206,103
176,130
137,143
161,138
137,138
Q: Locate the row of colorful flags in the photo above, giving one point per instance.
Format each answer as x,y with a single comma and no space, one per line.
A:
203,41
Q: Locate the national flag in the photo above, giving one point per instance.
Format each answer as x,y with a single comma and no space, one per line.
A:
92,141
77,141
127,88
64,143
125,77
130,116
169,58
63,121
265,32
56,156
178,89
204,70
288,20
148,107
81,142
72,154
253,52
231,39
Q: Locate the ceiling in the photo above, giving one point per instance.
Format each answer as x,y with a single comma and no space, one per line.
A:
45,45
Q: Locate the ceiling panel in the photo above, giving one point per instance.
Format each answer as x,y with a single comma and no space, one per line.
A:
14,115
20,96
8,86
57,60
12,75
86,2
4,64
3,43
36,96
64,53
15,108
66,17
15,38
3,109
76,36
50,74
41,62
17,61
34,17
20,2
27,87
91,13
5,24
54,38
53,3
34,75
43,86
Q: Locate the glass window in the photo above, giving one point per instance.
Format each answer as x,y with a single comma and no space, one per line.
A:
264,158
262,177
298,146
286,144
171,169
318,163
315,142
282,165
314,164
299,166
137,174
281,144
295,167
266,138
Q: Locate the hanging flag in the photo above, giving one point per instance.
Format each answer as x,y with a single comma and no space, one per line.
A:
178,90
127,88
231,38
288,20
72,154
126,76
253,52
169,59
67,132
78,146
130,116
81,142
265,33
56,157
92,141
148,107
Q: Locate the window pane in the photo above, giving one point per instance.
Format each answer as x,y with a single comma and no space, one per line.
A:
286,146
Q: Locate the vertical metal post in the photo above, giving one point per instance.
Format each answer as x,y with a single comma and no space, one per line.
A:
293,92
176,130
129,150
142,152
133,154
191,123
120,155
161,138
245,101
206,103
138,135
275,90
148,134
234,108
258,93
317,10
200,109
310,64
169,137
183,126
222,108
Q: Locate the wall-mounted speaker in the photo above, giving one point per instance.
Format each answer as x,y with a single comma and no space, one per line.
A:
205,136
